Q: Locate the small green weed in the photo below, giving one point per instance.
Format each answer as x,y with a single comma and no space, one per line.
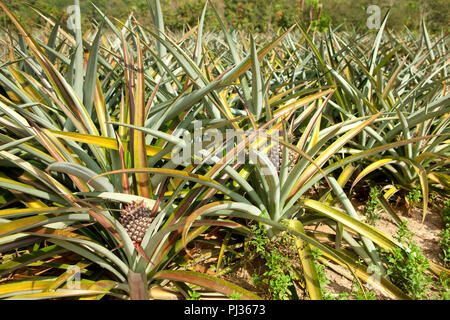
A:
408,270
321,275
235,296
359,294
442,285
414,196
372,207
444,240
280,274
356,292
193,295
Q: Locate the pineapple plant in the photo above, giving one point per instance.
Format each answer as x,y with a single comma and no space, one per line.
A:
85,133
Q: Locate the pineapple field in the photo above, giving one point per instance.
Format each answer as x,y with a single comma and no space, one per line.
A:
139,162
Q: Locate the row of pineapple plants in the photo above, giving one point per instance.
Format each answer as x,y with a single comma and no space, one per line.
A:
90,123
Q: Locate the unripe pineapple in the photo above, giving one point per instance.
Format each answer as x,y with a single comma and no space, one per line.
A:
276,156
136,219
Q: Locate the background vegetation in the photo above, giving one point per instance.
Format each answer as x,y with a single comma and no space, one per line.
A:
256,15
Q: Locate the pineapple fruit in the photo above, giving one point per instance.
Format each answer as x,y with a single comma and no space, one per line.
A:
136,219
276,156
